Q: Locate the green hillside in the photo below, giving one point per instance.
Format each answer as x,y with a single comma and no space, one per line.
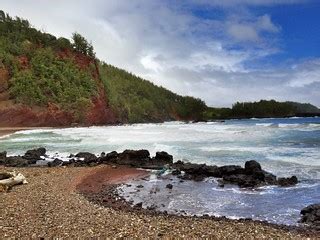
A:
37,74
42,70
137,100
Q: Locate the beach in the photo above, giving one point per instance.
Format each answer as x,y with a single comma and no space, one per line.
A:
50,206
10,130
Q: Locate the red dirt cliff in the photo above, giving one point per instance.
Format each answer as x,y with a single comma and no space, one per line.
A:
20,115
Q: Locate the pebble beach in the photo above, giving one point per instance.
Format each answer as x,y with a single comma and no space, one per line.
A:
50,206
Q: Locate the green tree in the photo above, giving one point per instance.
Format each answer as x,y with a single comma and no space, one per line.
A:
81,45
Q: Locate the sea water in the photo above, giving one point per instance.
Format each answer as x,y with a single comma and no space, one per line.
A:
284,147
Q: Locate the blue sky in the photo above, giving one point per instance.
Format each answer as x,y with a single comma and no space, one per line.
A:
220,51
300,30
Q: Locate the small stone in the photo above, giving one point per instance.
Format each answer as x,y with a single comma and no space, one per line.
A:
169,186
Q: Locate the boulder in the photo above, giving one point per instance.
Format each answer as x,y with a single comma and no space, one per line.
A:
87,157
197,169
3,155
169,186
193,177
176,172
229,170
135,158
252,167
164,158
55,163
109,157
269,178
287,182
34,155
16,161
243,180
311,215
250,176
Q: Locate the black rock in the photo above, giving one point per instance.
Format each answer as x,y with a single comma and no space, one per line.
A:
55,163
3,155
16,161
138,205
169,186
34,155
197,169
269,178
311,215
164,157
193,177
230,170
109,157
135,158
242,180
176,172
287,182
252,167
87,157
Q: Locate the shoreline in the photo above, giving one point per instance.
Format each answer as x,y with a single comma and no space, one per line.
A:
4,131
104,193
52,203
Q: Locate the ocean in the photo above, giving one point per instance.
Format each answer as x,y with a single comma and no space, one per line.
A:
283,147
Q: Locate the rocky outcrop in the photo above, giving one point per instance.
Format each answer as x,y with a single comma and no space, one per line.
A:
55,163
34,155
287,182
3,155
15,161
86,157
311,215
250,176
29,158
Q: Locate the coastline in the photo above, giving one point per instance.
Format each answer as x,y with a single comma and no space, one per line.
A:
4,131
52,203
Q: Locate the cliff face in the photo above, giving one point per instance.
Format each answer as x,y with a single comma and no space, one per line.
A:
14,114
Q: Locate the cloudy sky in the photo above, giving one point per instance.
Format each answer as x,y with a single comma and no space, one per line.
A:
220,51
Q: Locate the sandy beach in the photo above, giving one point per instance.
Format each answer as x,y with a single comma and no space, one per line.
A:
50,206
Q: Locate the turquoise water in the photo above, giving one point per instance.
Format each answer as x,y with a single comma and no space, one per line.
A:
284,147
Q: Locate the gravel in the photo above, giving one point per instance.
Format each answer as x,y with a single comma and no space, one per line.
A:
50,207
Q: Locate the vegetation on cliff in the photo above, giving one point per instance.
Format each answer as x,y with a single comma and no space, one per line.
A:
136,100
38,74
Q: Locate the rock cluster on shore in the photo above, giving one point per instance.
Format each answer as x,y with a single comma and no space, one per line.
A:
311,215
252,175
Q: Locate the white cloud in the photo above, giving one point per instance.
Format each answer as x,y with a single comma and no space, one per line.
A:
264,23
243,32
172,47
252,29
306,74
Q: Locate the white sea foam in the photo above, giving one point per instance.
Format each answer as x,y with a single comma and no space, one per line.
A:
230,142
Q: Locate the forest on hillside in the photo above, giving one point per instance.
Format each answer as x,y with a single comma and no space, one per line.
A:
139,100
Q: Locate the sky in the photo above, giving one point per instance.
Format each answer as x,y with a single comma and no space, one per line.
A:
219,51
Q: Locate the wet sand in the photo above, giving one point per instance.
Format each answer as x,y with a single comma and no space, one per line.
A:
50,206
9,130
